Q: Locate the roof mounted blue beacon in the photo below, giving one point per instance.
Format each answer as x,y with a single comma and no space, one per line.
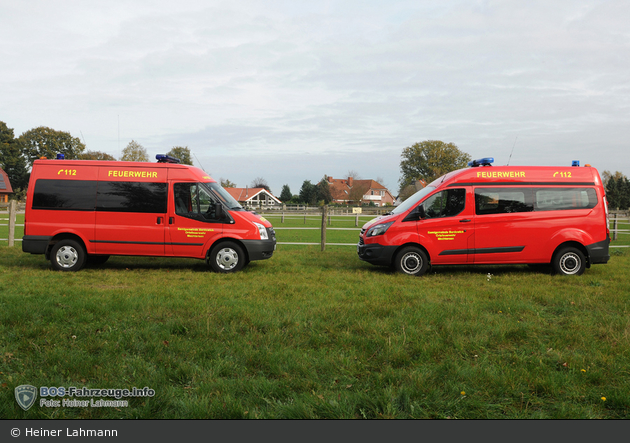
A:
487,161
60,156
575,163
163,158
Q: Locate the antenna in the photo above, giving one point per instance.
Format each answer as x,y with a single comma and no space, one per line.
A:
82,136
508,163
203,169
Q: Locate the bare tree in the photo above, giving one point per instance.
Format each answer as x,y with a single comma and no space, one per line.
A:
354,174
260,182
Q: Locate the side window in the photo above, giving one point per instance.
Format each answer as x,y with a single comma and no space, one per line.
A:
73,195
131,197
549,199
193,201
502,200
447,203
508,200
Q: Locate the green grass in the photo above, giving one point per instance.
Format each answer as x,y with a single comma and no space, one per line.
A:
310,334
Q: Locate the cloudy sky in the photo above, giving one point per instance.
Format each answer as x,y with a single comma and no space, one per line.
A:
292,90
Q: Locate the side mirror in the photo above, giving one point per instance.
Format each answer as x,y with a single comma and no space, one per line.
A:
218,211
421,213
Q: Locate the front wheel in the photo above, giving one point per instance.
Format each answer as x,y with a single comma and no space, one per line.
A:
227,257
412,261
569,261
67,255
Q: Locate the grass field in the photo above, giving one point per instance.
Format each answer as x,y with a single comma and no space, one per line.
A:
311,334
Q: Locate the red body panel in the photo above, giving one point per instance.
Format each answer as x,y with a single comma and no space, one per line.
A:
496,238
110,232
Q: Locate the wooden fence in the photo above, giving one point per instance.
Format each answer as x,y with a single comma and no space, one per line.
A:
325,213
13,210
617,219
619,222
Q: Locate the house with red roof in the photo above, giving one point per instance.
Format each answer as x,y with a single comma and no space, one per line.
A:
359,192
254,197
5,187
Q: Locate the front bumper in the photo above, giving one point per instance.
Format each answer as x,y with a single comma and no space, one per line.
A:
261,249
376,254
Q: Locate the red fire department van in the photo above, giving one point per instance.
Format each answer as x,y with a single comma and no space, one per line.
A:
491,215
81,211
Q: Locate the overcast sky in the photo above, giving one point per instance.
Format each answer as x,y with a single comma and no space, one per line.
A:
292,90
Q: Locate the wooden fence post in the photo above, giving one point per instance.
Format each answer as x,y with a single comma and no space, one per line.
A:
356,221
615,225
12,216
324,221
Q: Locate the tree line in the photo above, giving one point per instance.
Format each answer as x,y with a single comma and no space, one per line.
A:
17,154
420,164
617,190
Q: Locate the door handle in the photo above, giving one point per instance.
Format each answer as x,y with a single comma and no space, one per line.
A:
159,220
171,220
465,220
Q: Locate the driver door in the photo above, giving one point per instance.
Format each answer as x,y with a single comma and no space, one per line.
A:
447,229
192,223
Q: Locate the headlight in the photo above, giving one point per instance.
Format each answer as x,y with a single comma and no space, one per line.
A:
262,231
379,229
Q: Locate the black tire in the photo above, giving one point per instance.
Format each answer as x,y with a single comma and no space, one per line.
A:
411,261
227,257
67,255
540,267
96,260
569,261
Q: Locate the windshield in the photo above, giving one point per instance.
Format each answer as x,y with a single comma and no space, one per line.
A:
413,200
224,196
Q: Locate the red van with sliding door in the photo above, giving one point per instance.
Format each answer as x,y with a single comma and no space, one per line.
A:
491,215
83,211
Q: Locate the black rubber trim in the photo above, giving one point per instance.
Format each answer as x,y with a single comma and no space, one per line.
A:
500,250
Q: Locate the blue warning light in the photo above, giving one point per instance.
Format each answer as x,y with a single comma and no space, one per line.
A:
162,158
487,161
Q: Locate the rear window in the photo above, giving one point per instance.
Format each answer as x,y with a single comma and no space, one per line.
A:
75,195
565,198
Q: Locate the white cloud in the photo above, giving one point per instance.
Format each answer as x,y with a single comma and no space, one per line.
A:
333,78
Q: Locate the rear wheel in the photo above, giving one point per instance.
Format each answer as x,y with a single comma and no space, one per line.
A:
227,257
67,255
412,261
569,261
